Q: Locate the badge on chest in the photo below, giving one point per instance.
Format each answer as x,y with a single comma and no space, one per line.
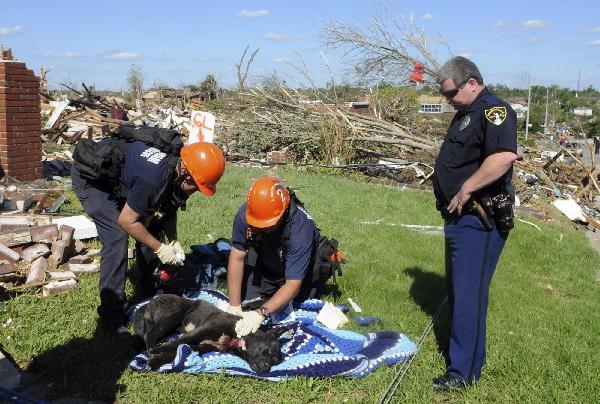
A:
465,122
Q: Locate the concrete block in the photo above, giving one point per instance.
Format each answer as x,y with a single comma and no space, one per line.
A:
66,233
61,275
35,251
37,271
60,251
84,227
56,287
44,234
84,268
80,259
7,252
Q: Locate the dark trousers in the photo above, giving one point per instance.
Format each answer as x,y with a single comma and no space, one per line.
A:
105,209
471,257
255,284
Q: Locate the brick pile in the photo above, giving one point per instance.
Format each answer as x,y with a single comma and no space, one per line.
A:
20,129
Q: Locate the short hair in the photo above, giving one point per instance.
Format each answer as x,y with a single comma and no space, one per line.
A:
460,70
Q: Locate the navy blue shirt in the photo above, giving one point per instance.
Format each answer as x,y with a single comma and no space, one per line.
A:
487,126
145,172
304,237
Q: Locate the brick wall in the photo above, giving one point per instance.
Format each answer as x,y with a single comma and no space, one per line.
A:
20,131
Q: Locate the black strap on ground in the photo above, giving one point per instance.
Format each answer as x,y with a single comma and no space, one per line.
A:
393,386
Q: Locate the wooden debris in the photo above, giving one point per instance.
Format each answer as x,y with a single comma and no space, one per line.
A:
56,287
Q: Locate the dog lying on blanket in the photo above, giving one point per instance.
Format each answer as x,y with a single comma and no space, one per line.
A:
205,328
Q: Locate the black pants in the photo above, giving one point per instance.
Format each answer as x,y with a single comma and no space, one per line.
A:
256,284
105,209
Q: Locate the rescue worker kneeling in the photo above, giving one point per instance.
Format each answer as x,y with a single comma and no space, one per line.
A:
275,247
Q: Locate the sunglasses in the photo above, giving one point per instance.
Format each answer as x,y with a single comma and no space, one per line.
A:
450,94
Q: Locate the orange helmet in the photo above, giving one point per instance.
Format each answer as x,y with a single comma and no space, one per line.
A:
205,163
267,201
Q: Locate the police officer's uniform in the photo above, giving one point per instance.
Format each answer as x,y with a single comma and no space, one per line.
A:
273,266
486,127
146,174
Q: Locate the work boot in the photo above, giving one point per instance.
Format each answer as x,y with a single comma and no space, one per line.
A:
448,382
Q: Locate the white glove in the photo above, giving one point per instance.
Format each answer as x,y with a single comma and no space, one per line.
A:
249,323
236,310
171,254
179,253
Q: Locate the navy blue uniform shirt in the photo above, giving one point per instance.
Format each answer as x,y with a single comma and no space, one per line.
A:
145,172
304,237
487,126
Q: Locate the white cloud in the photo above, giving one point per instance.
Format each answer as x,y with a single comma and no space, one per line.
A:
271,36
427,16
17,29
534,24
595,43
593,29
66,55
252,13
536,39
123,55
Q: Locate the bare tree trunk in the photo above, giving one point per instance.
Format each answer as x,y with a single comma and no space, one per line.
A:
242,72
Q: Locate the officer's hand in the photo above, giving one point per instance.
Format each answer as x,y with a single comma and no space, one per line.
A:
459,201
249,323
235,310
171,254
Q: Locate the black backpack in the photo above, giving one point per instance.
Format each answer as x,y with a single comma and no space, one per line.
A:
101,162
326,262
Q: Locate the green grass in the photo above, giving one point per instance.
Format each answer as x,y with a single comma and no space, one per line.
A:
542,345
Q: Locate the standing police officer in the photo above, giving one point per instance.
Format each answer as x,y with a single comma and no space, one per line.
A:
267,262
472,184
156,186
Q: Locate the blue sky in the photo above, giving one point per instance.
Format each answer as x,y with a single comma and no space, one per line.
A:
180,42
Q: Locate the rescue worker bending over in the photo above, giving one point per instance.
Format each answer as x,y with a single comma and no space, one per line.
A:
155,181
262,262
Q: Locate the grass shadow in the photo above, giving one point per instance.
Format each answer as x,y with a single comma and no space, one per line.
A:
428,290
88,368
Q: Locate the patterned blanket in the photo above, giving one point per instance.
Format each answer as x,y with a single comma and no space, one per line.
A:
310,350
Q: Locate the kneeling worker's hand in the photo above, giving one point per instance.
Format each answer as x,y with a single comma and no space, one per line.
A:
236,310
249,323
171,254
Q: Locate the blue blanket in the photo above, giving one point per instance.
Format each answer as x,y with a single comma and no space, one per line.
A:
310,350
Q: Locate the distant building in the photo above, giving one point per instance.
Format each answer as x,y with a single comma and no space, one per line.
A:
434,105
583,111
520,109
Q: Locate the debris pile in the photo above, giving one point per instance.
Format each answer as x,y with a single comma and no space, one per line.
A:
561,178
48,255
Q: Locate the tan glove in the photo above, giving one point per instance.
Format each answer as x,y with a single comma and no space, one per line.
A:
249,323
235,310
171,254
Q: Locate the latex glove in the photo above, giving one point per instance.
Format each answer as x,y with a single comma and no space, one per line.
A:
179,253
249,323
171,254
236,310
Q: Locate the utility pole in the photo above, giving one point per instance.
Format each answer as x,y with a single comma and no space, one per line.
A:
546,115
528,108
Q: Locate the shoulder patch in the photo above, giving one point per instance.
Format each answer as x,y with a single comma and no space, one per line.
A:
495,115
